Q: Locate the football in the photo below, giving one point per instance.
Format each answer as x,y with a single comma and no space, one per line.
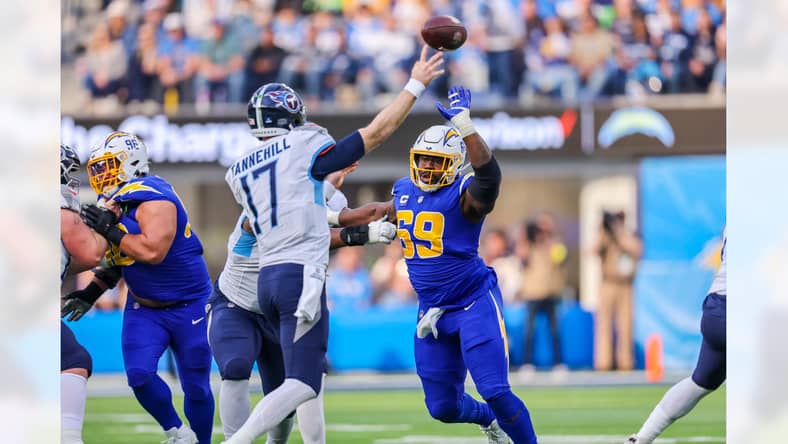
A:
444,33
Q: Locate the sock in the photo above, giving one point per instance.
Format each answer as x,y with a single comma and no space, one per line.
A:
234,405
73,392
272,410
311,419
513,418
475,412
677,402
281,433
199,412
155,397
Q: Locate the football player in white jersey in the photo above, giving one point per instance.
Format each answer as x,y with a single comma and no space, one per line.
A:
239,335
709,372
81,249
280,186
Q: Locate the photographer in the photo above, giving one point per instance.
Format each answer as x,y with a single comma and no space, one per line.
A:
543,281
619,251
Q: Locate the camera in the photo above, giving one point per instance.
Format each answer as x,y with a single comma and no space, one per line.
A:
609,219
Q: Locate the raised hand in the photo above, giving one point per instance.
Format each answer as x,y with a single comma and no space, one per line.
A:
459,101
426,70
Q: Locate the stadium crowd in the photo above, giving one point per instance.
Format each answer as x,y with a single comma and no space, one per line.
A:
351,53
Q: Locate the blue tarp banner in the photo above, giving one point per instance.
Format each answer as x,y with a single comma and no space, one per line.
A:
682,214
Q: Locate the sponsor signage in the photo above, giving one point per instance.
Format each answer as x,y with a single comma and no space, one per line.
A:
514,134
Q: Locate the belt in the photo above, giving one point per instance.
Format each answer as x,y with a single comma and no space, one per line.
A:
153,304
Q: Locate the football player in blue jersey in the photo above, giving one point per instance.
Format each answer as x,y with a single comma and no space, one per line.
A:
460,328
80,249
161,260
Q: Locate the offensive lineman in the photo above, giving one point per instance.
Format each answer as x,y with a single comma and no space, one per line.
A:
152,242
709,372
239,335
81,249
461,325
280,187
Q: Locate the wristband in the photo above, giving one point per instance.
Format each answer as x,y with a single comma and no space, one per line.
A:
463,123
332,216
356,235
415,87
115,235
91,293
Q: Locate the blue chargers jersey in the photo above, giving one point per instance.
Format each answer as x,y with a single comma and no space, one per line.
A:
441,246
183,274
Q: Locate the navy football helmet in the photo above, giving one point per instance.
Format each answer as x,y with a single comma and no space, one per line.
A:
69,165
275,109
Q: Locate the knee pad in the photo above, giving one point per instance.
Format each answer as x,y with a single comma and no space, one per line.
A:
491,392
507,406
444,410
138,377
237,369
195,391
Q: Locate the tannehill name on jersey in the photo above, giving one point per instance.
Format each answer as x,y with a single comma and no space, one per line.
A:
260,155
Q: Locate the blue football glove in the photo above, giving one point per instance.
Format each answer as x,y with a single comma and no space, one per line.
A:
459,101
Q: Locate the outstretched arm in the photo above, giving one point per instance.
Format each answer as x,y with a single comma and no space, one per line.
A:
353,146
366,213
479,198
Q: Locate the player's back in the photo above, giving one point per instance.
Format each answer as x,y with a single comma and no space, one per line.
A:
183,274
439,244
285,203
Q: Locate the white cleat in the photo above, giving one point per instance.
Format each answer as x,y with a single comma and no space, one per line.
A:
495,434
183,435
632,440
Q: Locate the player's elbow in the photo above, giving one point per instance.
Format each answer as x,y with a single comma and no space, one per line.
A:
87,258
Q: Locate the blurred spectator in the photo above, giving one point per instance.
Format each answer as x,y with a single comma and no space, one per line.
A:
221,69
263,63
549,71
619,251
119,28
179,60
384,269
153,13
399,291
502,33
104,64
143,80
638,72
543,282
592,48
509,269
348,285
718,77
673,51
703,55
495,245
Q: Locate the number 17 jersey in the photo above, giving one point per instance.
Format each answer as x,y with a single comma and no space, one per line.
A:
441,246
284,203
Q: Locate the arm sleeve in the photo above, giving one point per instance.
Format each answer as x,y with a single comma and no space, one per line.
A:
333,158
486,183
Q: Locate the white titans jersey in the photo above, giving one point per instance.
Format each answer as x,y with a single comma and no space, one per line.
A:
284,202
718,284
238,281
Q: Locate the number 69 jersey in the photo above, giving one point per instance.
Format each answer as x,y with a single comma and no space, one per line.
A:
439,244
285,204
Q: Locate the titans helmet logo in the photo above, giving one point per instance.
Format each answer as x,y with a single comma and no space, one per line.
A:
285,98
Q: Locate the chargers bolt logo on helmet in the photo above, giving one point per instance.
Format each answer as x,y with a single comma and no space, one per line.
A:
275,109
115,160
444,144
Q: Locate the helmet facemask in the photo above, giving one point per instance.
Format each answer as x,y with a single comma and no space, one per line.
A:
444,145
106,173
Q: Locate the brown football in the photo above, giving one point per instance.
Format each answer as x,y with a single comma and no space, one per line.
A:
444,33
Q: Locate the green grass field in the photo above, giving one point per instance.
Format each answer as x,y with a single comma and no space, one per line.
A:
560,415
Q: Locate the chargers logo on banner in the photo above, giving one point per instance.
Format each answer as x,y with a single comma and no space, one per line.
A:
636,120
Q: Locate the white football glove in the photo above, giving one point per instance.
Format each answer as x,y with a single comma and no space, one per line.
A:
381,231
429,323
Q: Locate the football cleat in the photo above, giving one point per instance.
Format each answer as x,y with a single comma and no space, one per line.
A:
495,434
183,435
